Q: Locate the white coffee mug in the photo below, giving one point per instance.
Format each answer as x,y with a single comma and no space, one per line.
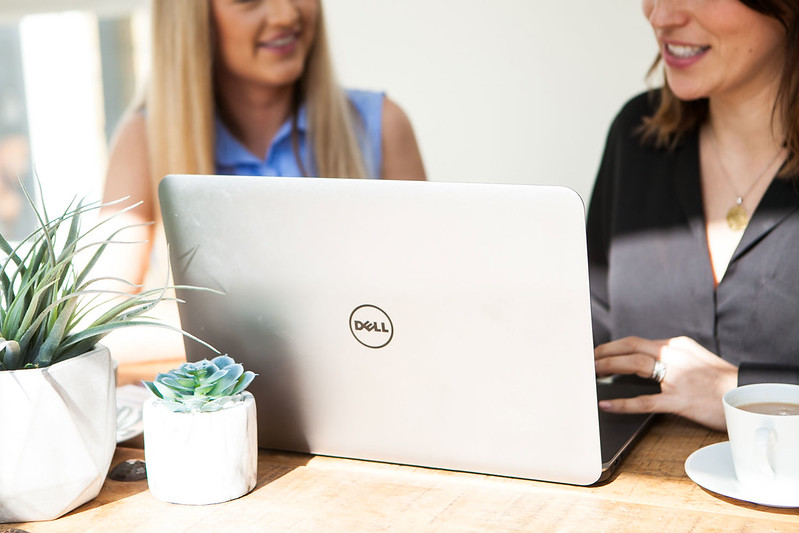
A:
765,447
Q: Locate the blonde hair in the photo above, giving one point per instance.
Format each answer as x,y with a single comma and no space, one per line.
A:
180,100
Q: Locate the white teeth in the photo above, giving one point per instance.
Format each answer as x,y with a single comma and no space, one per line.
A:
281,42
684,51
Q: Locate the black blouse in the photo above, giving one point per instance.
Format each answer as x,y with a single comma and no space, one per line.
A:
650,265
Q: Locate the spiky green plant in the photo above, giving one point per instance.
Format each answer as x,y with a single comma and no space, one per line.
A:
50,308
202,386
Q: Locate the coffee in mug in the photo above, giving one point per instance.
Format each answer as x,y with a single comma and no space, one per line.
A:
772,408
764,436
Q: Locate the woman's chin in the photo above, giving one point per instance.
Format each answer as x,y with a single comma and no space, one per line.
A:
686,92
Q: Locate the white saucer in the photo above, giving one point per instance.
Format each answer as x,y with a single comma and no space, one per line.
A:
128,422
130,399
711,467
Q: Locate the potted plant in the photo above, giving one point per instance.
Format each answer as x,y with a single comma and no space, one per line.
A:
200,433
57,384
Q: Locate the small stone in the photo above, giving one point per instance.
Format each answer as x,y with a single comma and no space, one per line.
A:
130,470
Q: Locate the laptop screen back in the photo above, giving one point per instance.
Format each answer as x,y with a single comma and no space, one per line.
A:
433,324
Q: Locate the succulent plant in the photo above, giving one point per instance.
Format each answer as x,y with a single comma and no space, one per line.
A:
202,386
50,308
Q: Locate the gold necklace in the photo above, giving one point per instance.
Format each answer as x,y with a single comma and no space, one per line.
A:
737,217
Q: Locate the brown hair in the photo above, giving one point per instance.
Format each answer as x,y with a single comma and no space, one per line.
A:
180,98
675,117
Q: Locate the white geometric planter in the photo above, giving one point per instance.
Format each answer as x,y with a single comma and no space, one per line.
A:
201,458
57,436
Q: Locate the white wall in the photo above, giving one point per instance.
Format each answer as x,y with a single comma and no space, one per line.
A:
516,91
519,91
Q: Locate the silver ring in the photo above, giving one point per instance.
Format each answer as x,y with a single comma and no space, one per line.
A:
658,371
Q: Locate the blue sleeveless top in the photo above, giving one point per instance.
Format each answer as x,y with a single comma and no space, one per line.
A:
232,158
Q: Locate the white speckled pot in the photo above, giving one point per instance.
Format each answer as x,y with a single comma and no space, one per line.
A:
201,458
57,436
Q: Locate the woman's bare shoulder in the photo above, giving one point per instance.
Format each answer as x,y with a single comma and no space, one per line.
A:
401,156
131,130
128,171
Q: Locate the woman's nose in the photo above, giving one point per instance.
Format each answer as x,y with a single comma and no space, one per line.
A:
666,13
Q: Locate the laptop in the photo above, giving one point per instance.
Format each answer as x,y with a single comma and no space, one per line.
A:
443,325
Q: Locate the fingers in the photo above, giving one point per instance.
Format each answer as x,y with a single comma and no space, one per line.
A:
630,355
634,355
629,345
650,403
693,379
638,364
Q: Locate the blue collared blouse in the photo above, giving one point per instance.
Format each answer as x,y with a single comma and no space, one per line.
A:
232,158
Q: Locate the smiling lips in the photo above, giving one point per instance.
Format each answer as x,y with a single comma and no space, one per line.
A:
682,55
282,44
282,41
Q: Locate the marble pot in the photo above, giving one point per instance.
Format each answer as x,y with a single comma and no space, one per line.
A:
57,436
201,458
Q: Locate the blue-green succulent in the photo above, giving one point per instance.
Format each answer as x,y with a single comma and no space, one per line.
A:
202,386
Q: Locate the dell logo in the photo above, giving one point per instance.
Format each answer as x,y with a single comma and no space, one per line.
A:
371,326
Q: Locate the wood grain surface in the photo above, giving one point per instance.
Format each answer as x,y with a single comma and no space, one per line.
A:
297,492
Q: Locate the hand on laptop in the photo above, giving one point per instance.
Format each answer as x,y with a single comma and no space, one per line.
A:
692,379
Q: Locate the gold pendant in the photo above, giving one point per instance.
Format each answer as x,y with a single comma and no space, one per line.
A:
737,217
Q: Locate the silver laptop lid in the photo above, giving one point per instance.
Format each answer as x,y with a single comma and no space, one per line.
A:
433,324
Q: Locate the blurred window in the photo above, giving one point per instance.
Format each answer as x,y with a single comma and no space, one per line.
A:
66,79
15,160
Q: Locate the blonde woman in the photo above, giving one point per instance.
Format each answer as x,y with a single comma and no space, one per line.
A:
245,87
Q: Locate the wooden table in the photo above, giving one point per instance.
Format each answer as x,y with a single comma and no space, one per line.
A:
297,492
